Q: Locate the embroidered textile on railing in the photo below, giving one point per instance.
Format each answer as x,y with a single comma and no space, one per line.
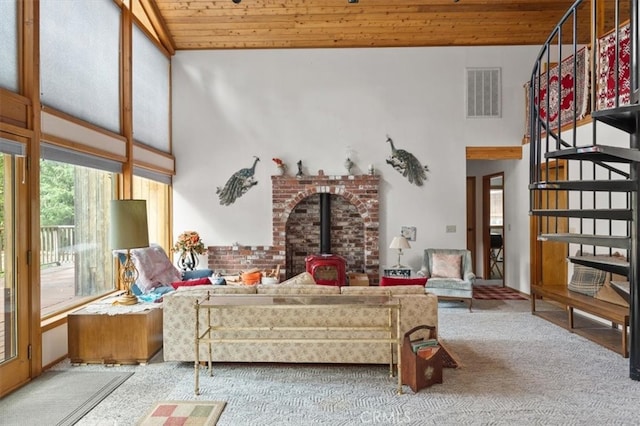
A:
561,87
606,96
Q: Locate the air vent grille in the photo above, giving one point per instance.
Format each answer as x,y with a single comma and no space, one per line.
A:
483,93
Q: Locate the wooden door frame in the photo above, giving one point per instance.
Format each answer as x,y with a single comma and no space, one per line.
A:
471,219
17,370
486,228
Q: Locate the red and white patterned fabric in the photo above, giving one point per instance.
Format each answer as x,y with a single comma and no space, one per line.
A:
564,90
561,87
606,96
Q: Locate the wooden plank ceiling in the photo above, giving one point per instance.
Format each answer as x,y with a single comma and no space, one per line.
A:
225,24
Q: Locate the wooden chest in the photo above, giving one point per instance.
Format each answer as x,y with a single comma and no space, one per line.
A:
129,338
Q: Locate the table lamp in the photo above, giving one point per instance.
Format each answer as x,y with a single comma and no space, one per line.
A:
129,230
399,243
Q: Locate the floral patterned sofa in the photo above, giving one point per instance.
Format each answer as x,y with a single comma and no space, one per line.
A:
417,308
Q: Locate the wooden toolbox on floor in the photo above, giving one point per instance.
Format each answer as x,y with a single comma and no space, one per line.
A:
422,359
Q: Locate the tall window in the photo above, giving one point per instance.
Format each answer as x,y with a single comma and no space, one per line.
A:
9,50
157,195
76,260
150,93
80,62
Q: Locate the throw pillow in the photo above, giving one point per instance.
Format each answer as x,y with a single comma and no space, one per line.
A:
191,283
303,278
196,273
586,280
154,268
393,281
446,265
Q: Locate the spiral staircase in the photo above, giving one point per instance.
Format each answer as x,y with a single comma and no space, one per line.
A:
602,209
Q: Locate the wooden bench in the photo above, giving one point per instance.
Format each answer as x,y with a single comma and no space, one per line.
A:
618,315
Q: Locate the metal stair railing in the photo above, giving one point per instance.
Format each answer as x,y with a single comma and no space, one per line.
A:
603,207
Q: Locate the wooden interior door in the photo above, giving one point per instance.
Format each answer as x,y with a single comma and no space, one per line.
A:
548,258
471,218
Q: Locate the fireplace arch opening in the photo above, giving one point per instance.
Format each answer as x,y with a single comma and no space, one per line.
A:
354,230
304,233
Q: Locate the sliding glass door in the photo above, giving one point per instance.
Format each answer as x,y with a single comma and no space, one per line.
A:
14,318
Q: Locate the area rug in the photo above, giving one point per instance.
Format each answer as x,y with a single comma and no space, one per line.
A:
59,397
492,292
193,413
606,96
557,91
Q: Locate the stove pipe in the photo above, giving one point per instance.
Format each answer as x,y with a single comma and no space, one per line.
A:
325,223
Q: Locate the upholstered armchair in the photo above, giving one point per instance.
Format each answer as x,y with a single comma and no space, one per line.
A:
449,274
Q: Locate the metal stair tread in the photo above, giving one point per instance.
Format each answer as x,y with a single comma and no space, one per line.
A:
612,214
615,264
618,185
612,154
621,242
623,117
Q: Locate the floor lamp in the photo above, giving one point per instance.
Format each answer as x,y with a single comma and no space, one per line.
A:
129,230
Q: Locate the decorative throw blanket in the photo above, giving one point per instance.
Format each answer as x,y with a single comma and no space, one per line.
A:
557,89
606,93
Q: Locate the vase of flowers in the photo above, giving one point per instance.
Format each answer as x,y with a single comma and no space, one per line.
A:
189,245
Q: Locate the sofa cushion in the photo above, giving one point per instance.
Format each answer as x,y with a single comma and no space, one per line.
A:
378,291
393,281
297,289
303,278
218,289
446,266
448,283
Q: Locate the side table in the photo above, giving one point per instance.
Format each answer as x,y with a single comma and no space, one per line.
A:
394,271
123,338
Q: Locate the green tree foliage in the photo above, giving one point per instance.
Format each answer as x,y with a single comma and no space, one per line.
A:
56,193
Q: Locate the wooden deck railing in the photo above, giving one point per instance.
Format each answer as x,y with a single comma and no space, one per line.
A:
56,245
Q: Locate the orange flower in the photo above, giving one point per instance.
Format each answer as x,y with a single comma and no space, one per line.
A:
189,241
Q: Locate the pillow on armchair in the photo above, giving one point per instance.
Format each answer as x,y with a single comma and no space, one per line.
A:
446,266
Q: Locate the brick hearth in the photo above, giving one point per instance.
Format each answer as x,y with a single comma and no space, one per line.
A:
296,226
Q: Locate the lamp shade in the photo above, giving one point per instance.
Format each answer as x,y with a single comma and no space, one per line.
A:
399,243
129,224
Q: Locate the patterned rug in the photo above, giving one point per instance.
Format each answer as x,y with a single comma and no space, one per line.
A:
554,88
194,413
607,74
492,292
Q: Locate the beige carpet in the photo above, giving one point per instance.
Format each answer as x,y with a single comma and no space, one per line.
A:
518,369
193,413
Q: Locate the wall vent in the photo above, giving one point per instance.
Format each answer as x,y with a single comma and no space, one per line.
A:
484,93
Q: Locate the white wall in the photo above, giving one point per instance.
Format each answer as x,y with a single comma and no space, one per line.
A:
314,105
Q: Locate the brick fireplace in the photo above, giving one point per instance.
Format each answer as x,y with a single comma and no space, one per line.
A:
353,228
